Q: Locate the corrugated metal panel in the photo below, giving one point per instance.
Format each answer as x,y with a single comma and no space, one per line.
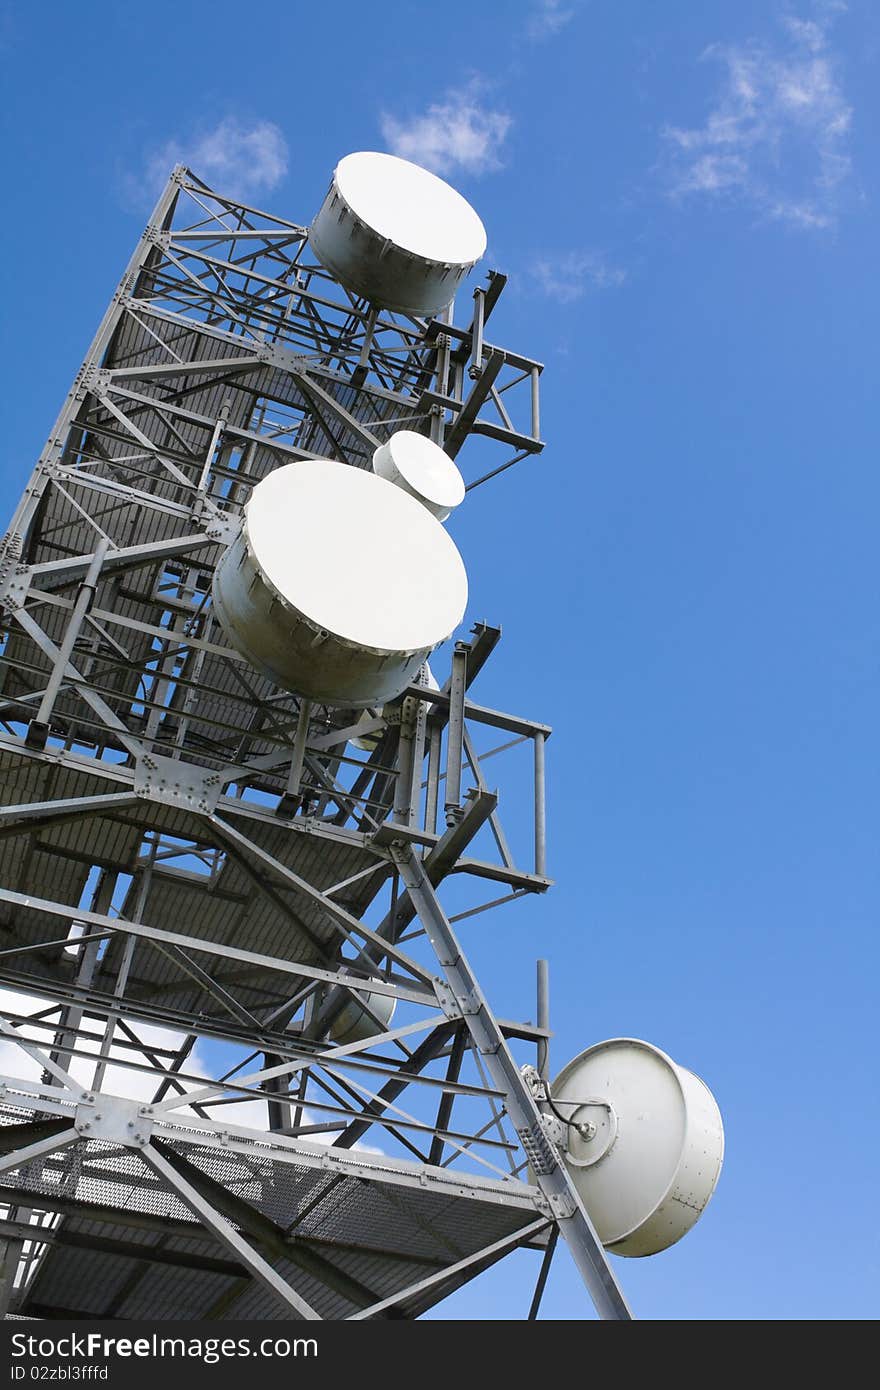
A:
91,1284
54,862
166,1294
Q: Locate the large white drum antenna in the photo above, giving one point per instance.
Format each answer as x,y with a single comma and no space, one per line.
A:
295,597
643,1141
396,234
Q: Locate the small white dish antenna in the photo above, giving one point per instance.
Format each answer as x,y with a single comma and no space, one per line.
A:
415,463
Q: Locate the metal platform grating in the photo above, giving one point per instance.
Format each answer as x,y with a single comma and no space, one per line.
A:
383,1236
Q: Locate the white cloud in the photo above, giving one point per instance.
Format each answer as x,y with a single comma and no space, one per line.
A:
548,17
571,275
458,133
800,214
710,173
777,134
234,157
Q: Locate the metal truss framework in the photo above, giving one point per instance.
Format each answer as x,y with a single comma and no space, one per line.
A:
205,882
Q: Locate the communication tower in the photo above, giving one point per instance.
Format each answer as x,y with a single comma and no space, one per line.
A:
249,1071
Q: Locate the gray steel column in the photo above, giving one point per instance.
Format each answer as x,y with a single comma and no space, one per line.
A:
542,1018
123,971
455,733
10,1256
40,724
432,795
551,1175
540,807
291,800
70,1020
536,402
543,1273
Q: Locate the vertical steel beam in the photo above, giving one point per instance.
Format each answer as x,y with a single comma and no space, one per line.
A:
278,1111
124,968
477,338
416,760
217,435
59,666
540,807
438,415
536,403
410,756
10,1257
432,795
455,733
158,694
444,1110
551,1175
191,695
542,1018
70,1019
543,1273
291,799
403,785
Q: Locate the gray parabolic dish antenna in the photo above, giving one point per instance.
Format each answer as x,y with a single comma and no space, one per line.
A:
395,233
419,466
645,1143
295,598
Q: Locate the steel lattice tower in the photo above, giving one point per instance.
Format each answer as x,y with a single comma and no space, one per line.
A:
197,873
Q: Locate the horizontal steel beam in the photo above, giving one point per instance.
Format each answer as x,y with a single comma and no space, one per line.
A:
234,1139
414,993
73,806
203,367
481,714
127,1249
171,1227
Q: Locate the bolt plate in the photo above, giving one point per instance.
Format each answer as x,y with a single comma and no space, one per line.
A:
14,589
177,782
114,1120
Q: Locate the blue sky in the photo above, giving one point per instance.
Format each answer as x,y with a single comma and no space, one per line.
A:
685,198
